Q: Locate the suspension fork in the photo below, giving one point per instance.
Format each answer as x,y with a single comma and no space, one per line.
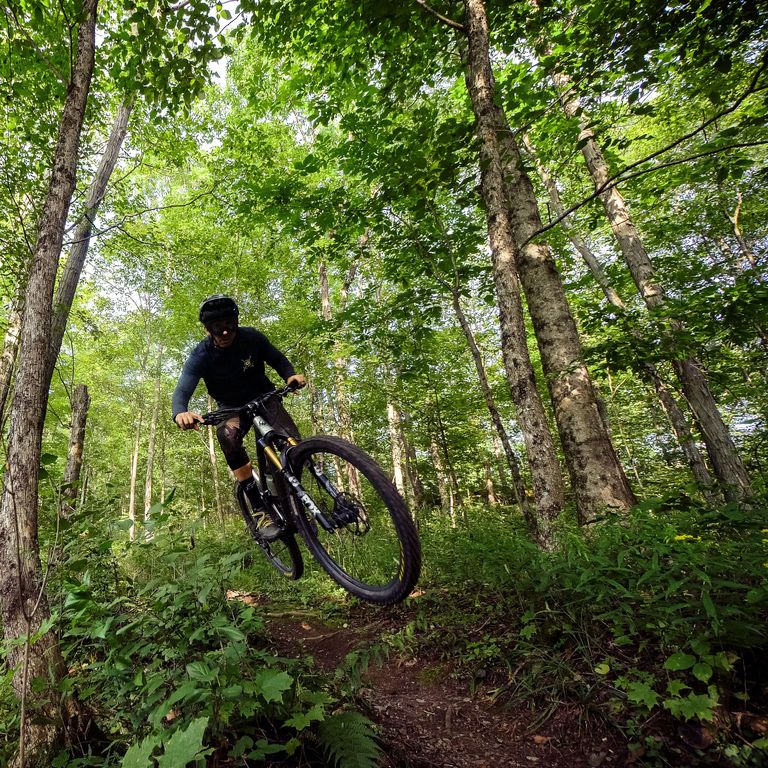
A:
301,494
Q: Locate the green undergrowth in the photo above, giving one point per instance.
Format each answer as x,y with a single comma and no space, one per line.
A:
657,617
174,670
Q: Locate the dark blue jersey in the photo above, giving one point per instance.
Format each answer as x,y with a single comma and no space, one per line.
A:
232,376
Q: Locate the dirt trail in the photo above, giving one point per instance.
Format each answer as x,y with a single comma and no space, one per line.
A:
427,716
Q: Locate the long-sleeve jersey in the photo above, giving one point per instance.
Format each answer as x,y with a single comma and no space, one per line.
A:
233,376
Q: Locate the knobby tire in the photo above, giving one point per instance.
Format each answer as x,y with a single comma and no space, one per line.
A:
283,553
379,565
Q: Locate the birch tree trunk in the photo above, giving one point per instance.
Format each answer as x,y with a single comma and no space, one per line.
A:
440,478
726,461
152,439
214,467
675,415
396,448
546,476
597,478
341,400
518,486
9,353
411,470
70,276
22,597
489,489
134,475
80,404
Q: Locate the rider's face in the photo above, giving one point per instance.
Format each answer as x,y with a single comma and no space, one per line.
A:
223,332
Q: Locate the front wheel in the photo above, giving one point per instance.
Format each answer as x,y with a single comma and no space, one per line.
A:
365,538
282,553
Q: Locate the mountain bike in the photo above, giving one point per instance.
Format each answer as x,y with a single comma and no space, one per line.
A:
334,495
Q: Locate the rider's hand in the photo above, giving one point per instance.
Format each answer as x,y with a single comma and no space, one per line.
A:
188,420
298,380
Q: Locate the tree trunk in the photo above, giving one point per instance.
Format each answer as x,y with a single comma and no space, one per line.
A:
682,431
492,501
152,439
214,467
450,473
597,478
341,401
70,276
134,475
411,470
396,448
726,462
546,476
80,403
746,251
443,488
674,414
577,241
518,486
10,351
22,597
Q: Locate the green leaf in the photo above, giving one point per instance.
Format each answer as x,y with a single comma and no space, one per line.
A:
184,746
272,685
301,720
676,687
693,705
199,670
642,693
138,755
702,671
679,661
603,668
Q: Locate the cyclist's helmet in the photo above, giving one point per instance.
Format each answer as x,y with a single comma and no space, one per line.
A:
217,306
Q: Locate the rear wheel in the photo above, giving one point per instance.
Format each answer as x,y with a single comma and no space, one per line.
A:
282,553
366,539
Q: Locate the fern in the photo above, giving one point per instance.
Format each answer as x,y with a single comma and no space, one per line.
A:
348,740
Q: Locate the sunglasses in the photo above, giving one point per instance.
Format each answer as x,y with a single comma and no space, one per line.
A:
220,327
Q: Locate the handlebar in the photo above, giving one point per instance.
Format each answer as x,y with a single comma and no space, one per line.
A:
214,418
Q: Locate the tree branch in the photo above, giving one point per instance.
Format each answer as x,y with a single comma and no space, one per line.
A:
444,19
623,176
48,63
137,214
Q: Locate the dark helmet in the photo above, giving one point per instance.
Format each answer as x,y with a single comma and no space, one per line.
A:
216,307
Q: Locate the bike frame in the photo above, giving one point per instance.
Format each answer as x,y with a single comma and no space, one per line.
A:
267,451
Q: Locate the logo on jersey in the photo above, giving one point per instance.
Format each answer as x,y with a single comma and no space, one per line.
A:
247,363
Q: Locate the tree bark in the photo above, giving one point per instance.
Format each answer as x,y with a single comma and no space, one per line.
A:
70,276
674,414
134,475
442,481
22,591
214,467
10,352
489,489
726,462
546,476
518,486
396,448
80,402
152,439
447,464
343,420
597,478
411,469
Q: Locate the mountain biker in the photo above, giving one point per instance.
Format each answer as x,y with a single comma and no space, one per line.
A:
230,360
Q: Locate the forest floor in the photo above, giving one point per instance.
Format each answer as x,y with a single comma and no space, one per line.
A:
430,712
